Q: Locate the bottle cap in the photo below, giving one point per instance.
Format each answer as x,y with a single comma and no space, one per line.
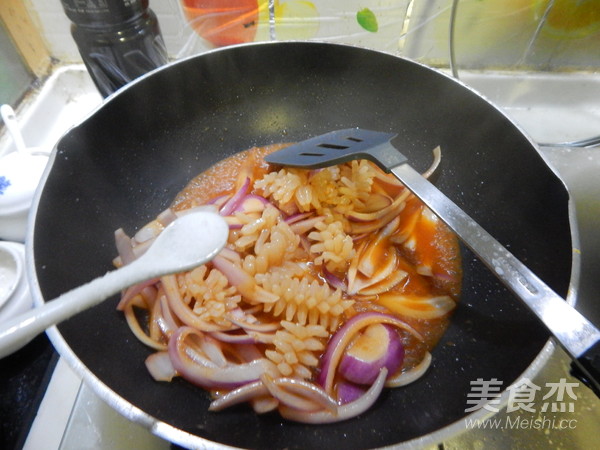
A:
103,14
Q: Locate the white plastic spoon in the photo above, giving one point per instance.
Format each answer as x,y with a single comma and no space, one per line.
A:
10,121
189,241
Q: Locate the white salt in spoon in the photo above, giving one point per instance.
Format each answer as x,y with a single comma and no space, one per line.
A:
189,241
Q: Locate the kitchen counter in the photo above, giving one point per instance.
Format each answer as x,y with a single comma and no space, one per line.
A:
25,376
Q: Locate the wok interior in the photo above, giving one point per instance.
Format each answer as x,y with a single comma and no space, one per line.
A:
125,163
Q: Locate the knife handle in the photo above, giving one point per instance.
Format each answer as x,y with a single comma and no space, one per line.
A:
586,368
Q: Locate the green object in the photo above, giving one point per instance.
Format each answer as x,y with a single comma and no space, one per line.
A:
366,19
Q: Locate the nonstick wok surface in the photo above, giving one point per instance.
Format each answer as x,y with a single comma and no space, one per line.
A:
128,160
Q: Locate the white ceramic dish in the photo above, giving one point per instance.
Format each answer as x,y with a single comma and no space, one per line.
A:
15,297
20,174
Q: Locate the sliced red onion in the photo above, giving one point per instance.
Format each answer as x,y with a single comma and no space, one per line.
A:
297,217
182,310
308,390
231,255
445,276
160,367
212,349
344,335
219,200
377,346
124,246
305,243
206,374
148,231
150,292
239,395
244,283
208,208
376,202
137,330
248,352
385,285
379,270
334,281
298,394
238,314
394,206
352,271
134,290
262,338
288,398
305,225
255,326
371,253
429,215
404,378
141,248
235,275
344,412
417,307
154,228
230,205
262,405
388,179
252,203
166,217
437,158
410,218
233,338
227,377
425,270
374,225
369,259
167,322
390,228
348,392
233,222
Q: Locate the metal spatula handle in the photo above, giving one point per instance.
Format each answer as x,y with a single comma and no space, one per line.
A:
579,337
574,332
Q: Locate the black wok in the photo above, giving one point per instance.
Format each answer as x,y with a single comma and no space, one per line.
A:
128,160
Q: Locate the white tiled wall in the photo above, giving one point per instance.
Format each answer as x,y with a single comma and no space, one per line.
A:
50,18
489,34
180,39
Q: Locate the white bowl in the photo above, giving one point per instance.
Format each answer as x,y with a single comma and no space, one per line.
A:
20,174
15,298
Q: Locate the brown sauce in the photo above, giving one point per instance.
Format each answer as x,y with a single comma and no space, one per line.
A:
438,247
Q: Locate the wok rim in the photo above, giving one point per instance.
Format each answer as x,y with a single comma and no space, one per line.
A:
188,440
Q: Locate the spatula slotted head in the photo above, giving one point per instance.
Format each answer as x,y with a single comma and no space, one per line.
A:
340,146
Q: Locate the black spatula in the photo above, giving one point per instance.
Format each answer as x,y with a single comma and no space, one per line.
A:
579,337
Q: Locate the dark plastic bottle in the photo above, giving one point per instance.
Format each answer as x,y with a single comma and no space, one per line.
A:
118,40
